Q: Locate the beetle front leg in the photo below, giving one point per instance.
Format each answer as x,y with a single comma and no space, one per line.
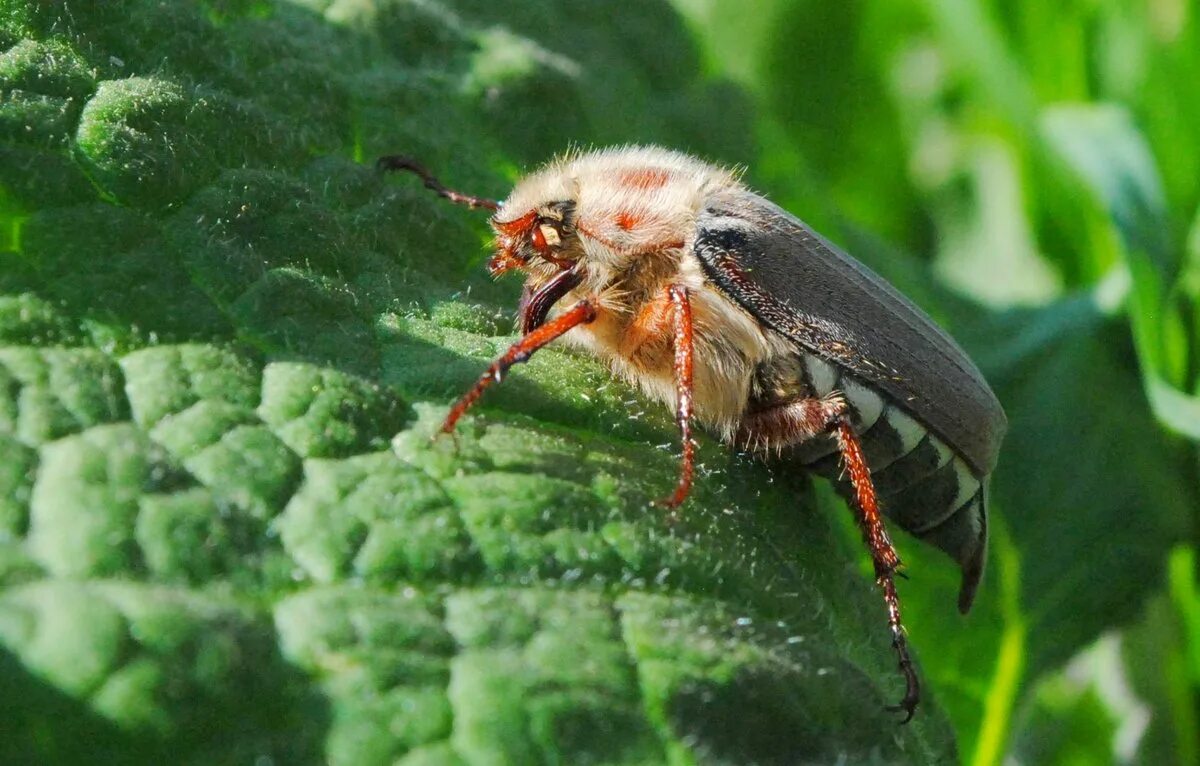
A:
581,313
683,343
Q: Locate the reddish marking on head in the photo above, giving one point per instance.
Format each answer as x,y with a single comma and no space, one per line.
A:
645,178
517,226
627,220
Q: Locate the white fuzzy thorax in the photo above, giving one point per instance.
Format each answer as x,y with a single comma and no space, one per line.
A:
634,223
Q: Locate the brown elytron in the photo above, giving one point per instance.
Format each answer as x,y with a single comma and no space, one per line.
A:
735,313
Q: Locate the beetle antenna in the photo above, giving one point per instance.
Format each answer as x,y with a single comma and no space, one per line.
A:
395,162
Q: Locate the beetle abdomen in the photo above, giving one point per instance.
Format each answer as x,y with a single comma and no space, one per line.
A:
923,485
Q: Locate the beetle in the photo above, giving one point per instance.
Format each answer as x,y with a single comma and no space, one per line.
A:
738,315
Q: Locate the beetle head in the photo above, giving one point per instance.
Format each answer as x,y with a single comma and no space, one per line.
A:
542,235
614,221
600,218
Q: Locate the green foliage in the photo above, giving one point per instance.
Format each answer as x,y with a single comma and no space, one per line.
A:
225,532
225,344
1045,155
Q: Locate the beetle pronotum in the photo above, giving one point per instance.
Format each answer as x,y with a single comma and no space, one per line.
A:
736,313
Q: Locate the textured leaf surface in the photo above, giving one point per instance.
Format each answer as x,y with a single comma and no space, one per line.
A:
225,532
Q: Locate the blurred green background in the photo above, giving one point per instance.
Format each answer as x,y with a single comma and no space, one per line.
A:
1029,171
214,319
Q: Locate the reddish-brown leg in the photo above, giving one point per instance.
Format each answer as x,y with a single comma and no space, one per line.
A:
791,423
883,554
396,162
803,419
581,313
681,314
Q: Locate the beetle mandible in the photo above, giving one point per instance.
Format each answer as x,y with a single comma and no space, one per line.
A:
737,314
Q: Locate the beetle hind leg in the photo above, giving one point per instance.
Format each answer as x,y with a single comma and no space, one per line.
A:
785,425
808,418
883,555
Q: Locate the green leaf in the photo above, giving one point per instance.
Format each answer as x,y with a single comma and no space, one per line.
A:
1080,527
1068,727
1162,658
1103,146
227,343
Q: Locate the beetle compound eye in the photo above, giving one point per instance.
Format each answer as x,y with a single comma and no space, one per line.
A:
549,235
545,237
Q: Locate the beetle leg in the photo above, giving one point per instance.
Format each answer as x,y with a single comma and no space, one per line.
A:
581,313
681,314
803,419
783,425
883,554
